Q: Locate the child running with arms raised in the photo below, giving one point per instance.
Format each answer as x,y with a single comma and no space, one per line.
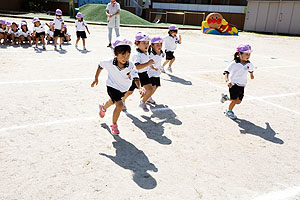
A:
236,77
121,73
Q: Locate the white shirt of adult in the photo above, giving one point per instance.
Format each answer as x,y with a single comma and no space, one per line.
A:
113,22
119,79
238,72
171,43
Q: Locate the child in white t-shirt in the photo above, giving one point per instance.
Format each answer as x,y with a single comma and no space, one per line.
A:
50,32
39,32
58,28
14,33
3,34
67,35
171,42
81,26
236,77
121,74
25,33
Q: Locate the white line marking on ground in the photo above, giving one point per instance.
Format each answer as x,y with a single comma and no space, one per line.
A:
280,195
44,81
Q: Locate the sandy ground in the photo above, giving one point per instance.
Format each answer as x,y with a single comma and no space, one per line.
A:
53,145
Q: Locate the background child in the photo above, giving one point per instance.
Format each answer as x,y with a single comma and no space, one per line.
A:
2,31
25,33
171,42
38,32
121,72
142,62
67,35
50,33
14,33
156,54
236,77
58,28
80,30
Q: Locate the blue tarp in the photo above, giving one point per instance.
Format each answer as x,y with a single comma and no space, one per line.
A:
83,2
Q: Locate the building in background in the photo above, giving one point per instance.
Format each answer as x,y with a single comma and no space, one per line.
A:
273,16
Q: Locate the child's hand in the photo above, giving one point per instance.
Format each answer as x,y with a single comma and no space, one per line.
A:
94,83
229,84
179,37
142,93
151,62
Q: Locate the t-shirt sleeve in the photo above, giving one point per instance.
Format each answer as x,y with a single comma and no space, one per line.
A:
133,72
227,70
118,6
102,64
136,59
251,68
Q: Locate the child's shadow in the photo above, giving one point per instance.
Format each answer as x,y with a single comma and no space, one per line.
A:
129,157
178,80
83,51
165,113
266,133
3,46
62,51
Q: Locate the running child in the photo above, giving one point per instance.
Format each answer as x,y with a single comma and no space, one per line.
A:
58,28
14,33
142,62
25,33
236,77
171,42
80,30
156,54
38,32
50,32
121,73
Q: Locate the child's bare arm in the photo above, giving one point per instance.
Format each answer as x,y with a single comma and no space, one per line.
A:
251,75
141,66
48,25
229,84
95,82
87,29
179,41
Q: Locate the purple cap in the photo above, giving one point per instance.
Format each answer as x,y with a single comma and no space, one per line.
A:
121,41
173,28
244,48
58,12
35,19
79,15
157,39
142,36
51,23
15,24
8,24
65,26
2,22
23,24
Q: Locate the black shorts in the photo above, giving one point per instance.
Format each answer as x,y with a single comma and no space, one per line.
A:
38,35
155,81
58,33
169,55
236,92
81,34
144,78
114,94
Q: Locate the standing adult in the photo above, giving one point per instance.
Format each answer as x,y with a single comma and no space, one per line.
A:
113,19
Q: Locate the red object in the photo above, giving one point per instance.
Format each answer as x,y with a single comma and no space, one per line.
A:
113,3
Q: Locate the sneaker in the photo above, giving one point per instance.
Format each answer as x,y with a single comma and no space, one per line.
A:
170,69
102,111
124,107
162,69
114,129
230,114
144,106
224,97
84,48
109,45
151,100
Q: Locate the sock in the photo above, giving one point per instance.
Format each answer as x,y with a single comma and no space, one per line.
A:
229,110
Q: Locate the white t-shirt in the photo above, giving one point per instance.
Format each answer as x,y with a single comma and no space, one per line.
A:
16,34
57,23
113,22
171,43
157,64
80,25
238,72
25,34
120,79
50,33
39,29
141,58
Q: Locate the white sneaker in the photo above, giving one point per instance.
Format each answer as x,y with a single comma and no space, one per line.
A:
144,106
84,48
230,114
224,97
170,69
162,69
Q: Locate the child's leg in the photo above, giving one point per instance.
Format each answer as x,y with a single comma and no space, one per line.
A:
117,111
154,89
233,103
55,41
108,104
12,38
149,91
37,41
61,40
171,62
127,94
83,42
29,39
77,40
166,62
43,39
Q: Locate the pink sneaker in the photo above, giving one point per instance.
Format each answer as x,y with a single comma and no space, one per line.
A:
114,129
150,100
101,113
